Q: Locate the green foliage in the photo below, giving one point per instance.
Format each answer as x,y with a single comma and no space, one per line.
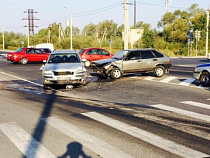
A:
172,40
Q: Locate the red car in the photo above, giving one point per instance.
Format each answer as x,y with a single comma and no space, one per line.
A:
25,55
92,54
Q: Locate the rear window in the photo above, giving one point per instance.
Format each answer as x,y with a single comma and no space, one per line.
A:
19,50
146,55
157,54
81,51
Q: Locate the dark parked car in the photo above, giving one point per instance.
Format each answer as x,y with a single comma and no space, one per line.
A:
92,54
133,61
25,55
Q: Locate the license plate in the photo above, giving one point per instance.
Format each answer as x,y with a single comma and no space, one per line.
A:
64,78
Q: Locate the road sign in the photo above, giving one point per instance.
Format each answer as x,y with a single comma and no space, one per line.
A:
22,42
110,42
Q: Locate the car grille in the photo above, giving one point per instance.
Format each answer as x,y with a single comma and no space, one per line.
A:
63,73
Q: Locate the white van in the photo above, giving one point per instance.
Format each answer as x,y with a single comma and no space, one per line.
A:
45,45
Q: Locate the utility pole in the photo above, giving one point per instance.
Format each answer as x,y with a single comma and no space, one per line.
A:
134,12
126,27
71,28
49,28
207,30
59,32
3,36
167,3
30,24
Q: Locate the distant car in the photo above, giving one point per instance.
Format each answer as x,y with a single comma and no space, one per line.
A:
64,68
92,54
202,73
46,50
133,61
25,55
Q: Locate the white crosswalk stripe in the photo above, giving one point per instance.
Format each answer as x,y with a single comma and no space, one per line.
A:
182,112
93,143
187,82
168,79
25,142
206,106
153,139
149,78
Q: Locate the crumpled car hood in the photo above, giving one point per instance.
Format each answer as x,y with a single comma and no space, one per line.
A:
104,61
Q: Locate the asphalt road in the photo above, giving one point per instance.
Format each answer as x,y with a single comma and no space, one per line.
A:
135,116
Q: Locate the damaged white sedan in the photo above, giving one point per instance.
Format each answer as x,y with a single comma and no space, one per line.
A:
64,68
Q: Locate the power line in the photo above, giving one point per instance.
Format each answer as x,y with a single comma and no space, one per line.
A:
30,19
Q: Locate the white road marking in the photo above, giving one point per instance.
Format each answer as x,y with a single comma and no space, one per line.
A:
21,79
182,112
187,82
149,78
208,99
93,143
206,106
153,139
22,139
168,79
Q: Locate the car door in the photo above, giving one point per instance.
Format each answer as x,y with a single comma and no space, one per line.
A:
29,54
132,62
148,60
92,55
103,54
40,55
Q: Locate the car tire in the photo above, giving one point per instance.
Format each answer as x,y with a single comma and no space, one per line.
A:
115,73
87,63
24,61
159,71
205,79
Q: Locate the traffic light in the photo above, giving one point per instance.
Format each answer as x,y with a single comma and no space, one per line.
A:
197,35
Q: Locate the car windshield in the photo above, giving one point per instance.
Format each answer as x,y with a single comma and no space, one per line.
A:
64,58
18,50
120,55
81,51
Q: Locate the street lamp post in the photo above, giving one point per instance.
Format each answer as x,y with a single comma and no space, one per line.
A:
70,27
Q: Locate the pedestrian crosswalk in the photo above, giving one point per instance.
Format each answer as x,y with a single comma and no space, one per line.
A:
31,148
22,141
190,82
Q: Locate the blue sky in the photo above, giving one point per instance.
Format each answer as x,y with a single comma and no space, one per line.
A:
85,12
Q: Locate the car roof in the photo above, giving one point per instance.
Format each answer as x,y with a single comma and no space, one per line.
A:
93,48
63,51
140,49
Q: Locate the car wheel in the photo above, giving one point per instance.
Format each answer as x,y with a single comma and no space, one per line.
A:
159,71
87,63
115,74
24,61
205,79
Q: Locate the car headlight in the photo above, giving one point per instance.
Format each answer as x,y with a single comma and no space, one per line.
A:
47,72
81,70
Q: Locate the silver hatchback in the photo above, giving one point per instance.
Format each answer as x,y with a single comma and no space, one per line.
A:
64,68
133,61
